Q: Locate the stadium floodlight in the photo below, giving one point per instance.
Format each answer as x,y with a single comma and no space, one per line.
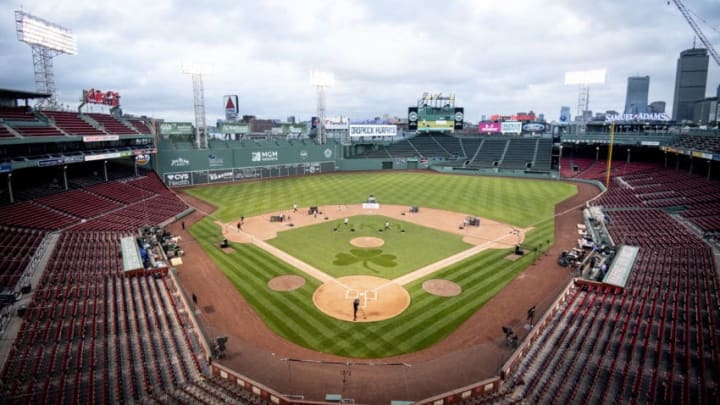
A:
195,68
46,40
321,80
197,71
37,31
580,77
584,78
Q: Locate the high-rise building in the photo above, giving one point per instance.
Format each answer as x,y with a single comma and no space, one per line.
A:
565,114
690,82
657,107
636,97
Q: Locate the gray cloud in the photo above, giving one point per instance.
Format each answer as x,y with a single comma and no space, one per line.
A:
496,56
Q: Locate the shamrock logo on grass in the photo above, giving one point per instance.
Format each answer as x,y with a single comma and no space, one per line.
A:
366,256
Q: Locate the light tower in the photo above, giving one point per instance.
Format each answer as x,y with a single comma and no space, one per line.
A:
197,73
584,78
321,81
46,40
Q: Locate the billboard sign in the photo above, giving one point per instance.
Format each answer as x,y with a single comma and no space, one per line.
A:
336,123
637,117
50,162
74,159
177,179
459,118
176,128
412,118
231,107
93,96
234,129
511,127
489,127
5,167
104,156
100,138
372,130
533,127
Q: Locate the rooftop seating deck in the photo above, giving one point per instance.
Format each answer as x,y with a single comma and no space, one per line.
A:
17,114
111,125
72,123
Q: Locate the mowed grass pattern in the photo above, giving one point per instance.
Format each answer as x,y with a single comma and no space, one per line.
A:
319,246
429,318
516,201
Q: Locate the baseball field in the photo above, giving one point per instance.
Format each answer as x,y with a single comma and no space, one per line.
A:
412,241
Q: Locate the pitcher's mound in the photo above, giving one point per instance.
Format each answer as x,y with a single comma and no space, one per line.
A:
380,299
443,288
286,283
367,242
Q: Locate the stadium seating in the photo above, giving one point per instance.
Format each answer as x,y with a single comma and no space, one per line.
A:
490,153
36,130
5,132
16,114
78,203
34,216
140,126
111,124
72,123
17,246
706,143
654,342
520,153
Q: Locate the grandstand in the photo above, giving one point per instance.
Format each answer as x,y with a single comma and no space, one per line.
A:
656,341
90,333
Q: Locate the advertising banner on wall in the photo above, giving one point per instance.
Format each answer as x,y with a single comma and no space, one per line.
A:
489,127
511,127
176,128
177,179
247,173
200,177
234,129
372,130
218,176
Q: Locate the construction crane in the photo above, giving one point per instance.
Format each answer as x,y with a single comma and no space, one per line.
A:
688,17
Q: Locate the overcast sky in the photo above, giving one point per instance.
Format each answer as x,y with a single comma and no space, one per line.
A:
496,56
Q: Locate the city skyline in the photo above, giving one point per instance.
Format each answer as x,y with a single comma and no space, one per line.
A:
496,58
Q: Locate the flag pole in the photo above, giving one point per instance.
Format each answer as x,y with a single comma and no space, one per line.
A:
609,158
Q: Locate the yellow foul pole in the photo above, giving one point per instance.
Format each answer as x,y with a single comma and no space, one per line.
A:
609,157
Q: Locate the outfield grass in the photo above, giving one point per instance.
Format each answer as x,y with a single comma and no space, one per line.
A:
327,247
519,202
429,318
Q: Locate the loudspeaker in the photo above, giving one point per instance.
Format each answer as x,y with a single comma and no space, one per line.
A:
412,118
459,117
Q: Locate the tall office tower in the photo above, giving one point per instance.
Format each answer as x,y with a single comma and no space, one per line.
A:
636,98
657,107
690,82
565,114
